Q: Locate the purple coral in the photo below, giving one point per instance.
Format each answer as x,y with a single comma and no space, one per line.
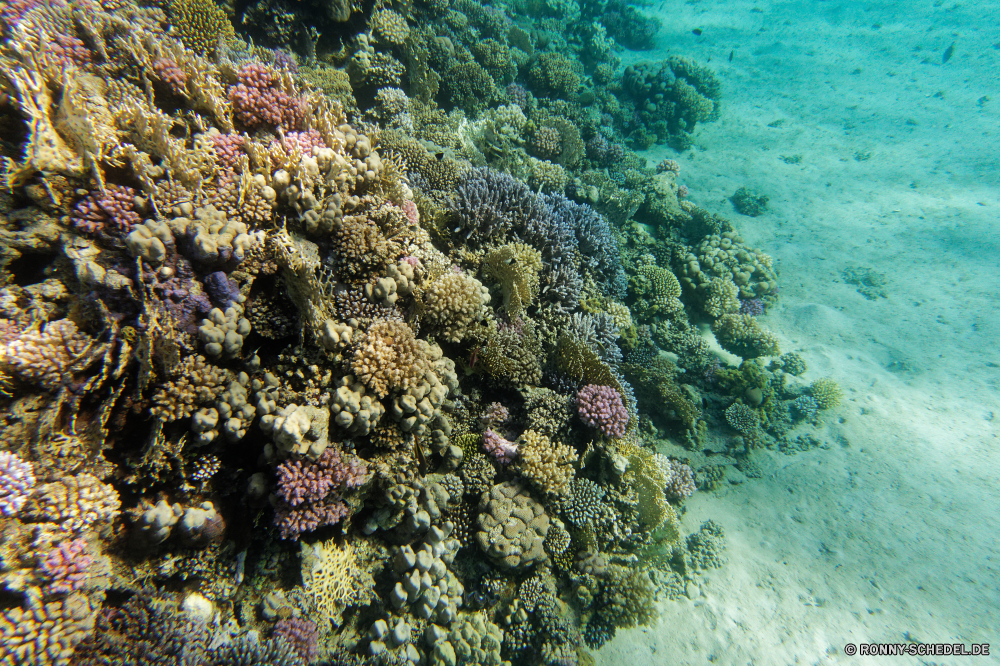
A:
495,414
501,449
65,566
752,306
669,165
302,481
222,289
17,479
169,72
293,522
305,488
114,208
681,482
300,634
602,407
258,100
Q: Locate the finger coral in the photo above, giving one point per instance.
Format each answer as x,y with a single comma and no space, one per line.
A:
601,407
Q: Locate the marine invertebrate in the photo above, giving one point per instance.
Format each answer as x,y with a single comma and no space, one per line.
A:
511,527
488,204
263,97
549,465
516,267
826,392
65,566
453,303
743,336
334,577
300,634
111,209
202,24
46,634
601,407
77,502
388,357
51,355
501,449
17,480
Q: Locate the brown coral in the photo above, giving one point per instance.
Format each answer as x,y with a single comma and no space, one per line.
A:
388,357
197,382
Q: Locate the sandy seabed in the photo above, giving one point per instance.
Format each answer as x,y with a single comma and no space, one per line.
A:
876,155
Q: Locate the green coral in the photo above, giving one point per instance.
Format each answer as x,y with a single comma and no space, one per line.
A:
826,392
515,267
627,596
555,74
744,336
656,292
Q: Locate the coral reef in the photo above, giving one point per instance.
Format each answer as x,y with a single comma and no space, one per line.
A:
358,333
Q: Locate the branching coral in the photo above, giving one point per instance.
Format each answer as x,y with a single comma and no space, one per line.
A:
453,303
515,266
548,465
388,357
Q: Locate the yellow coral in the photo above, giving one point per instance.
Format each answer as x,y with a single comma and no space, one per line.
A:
515,266
453,303
389,357
648,479
826,392
334,578
549,465
390,26
201,24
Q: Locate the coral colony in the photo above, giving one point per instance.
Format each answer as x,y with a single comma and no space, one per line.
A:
361,336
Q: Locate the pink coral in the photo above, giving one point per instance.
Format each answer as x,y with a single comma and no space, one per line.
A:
65,566
681,482
293,522
228,148
110,210
602,407
257,99
305,141
304,481
500,448
411,212
70,51
168,71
